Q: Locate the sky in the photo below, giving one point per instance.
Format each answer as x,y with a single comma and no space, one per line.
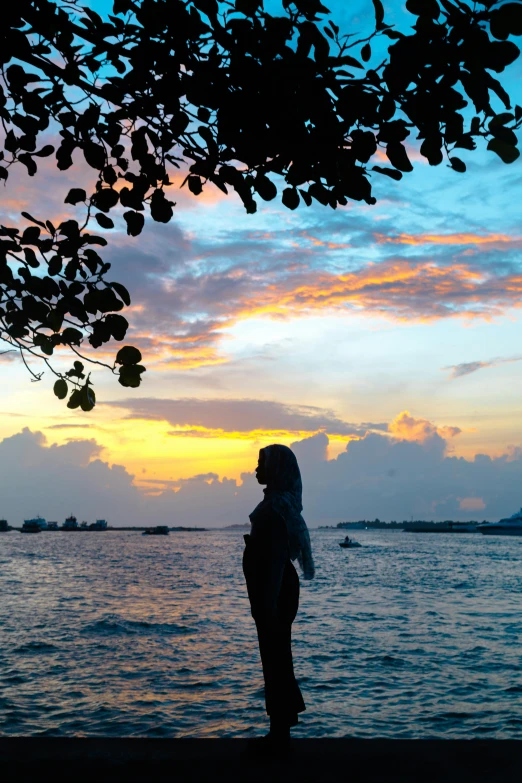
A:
381,342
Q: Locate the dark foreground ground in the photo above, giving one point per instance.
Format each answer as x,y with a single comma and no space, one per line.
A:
214,760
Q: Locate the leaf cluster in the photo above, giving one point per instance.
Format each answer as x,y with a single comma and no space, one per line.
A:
54,294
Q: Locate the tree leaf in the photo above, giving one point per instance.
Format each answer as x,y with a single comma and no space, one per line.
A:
105,199
95,155
393,173
135,222
506,152
87,398
379,14
122,292
506,20
160,207
194,184
265,187
75,399
290,198
457,165
47,150
71,336
27,216
429,8
55,265
103,220
118,325
398,157
28,162
128,355
75,195
61,389
130,375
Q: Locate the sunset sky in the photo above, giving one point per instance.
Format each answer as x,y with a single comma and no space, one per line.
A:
282,325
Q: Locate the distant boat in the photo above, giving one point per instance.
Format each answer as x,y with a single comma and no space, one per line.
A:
4,526
35,525
512,526
159,530
71,523
349,543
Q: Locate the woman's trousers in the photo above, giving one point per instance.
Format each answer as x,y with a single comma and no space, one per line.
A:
274,629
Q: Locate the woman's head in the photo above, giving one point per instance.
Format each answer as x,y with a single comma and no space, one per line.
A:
277,468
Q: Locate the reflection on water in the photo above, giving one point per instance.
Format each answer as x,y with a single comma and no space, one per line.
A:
119,634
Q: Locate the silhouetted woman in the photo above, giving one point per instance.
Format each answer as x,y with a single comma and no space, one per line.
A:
278,536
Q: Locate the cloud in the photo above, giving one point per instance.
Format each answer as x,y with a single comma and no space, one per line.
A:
55,480
8,355
466,368
471,504
393,478
406,427
463,238
213,417
403,473
184,307
68,427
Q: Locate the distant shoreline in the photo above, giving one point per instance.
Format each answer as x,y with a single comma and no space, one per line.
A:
112,529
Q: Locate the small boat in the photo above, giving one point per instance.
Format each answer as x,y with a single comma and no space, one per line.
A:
512,526
159,530
349,543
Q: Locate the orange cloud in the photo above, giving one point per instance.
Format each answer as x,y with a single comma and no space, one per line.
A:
407,427
471,504
395,289
316,242
462,238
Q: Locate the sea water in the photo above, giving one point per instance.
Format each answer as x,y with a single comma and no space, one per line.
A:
115,633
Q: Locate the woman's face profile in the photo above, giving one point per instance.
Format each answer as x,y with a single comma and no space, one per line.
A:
260,470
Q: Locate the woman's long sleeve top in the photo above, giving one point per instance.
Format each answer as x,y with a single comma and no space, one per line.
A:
269,552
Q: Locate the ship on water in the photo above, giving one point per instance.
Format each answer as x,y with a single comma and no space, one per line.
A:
159,530
35,525
512,526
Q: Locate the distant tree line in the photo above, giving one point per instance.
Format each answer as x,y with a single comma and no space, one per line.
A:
378,524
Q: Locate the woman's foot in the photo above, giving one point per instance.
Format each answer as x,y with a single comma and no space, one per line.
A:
272,745
279,730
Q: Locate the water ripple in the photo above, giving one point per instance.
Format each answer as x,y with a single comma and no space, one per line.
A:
120,635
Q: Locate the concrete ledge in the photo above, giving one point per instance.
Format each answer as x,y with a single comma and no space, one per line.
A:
119,760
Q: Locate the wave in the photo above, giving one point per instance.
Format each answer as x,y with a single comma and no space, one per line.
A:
35,647
113,625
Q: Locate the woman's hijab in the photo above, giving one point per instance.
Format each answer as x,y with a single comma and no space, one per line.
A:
283,494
